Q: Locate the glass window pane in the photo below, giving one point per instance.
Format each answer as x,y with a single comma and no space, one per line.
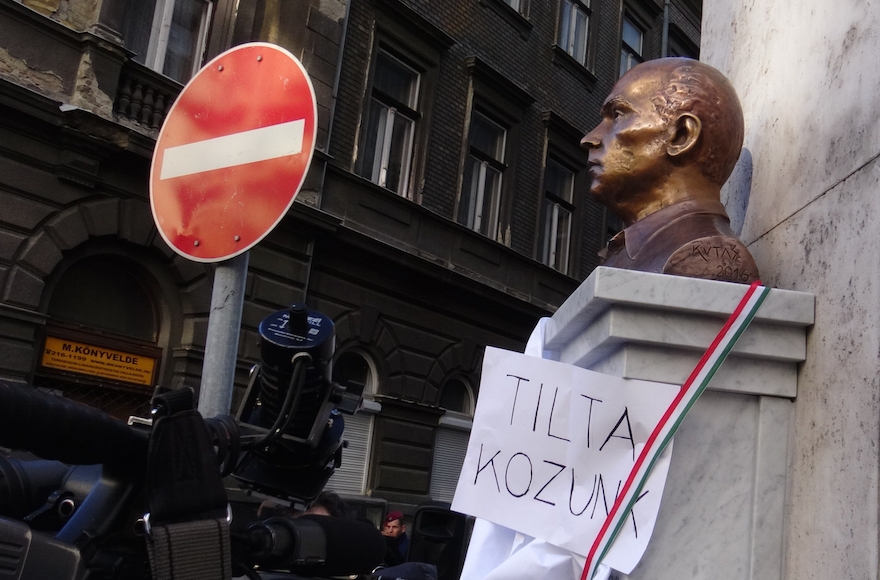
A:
352,367
487,136
632,36
557,236
396,80
398,157
563,237
390,128
481,189
559,192
374,141
491,198
559,181
565,26
103,293
455,396
467,207
185,39
549,251
627,60
579,46
138,25
574,29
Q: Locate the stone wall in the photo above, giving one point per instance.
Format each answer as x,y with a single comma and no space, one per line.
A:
807,75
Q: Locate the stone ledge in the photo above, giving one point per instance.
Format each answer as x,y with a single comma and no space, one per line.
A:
655,327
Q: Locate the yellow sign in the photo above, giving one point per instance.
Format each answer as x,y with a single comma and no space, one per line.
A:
87,359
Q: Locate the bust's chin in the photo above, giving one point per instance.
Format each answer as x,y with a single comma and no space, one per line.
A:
602,197
609,198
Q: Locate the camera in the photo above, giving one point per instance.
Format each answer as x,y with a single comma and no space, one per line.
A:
109,500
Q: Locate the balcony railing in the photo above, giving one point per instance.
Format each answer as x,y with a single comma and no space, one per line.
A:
144,96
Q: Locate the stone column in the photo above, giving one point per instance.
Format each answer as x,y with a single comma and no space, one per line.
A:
723,506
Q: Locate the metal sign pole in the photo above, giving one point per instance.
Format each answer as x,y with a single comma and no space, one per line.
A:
221,349
247,158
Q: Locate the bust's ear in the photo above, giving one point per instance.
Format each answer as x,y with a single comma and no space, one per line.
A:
687,131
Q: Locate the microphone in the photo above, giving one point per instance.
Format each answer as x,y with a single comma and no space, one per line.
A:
316,545
57,428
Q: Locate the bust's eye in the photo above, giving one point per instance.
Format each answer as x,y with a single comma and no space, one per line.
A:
617,114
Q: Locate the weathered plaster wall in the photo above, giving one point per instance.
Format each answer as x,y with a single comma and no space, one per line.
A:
77,14
17,69
807,197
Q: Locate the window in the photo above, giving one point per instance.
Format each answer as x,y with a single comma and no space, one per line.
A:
518,5
514,12
680,45
450,448
481,190
613,225
174,43
571,224
390,125
574,24
451,437
104,293
632,39
456,396
353,367
104,304
558,209
489,153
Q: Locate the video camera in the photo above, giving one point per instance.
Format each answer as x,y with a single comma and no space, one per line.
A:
110,500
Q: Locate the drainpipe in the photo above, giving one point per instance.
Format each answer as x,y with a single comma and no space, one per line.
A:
664,45
339,61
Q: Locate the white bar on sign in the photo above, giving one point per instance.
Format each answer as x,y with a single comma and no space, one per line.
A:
236,149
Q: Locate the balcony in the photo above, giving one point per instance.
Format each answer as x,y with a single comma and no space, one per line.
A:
144,96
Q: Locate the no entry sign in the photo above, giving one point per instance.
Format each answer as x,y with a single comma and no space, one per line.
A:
233,152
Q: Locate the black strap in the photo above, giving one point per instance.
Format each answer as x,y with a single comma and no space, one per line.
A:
187,523
191,551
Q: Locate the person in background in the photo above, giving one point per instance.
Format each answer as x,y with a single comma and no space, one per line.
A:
327,503
397,542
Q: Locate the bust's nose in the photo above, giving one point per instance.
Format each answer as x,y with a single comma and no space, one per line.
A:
592,139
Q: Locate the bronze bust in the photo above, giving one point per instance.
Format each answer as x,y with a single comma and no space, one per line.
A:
670,135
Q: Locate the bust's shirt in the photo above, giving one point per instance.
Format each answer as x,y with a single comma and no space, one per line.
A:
690,238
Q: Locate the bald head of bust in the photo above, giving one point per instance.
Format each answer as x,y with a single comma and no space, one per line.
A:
671,130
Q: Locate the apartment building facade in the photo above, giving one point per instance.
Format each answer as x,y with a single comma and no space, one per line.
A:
446,208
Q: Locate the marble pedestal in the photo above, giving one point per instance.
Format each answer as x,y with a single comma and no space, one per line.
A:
723,506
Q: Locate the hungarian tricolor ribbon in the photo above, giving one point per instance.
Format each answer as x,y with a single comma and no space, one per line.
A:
662,434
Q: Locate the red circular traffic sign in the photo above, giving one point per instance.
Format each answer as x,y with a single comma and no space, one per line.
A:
233,152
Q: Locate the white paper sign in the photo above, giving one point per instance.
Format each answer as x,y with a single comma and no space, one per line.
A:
550,446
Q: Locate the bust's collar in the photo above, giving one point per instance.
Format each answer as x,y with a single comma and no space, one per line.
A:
640,233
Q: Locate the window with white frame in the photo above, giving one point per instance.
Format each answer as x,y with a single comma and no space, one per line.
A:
480,203
558,210
169,36
390,124
632,39
574,28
